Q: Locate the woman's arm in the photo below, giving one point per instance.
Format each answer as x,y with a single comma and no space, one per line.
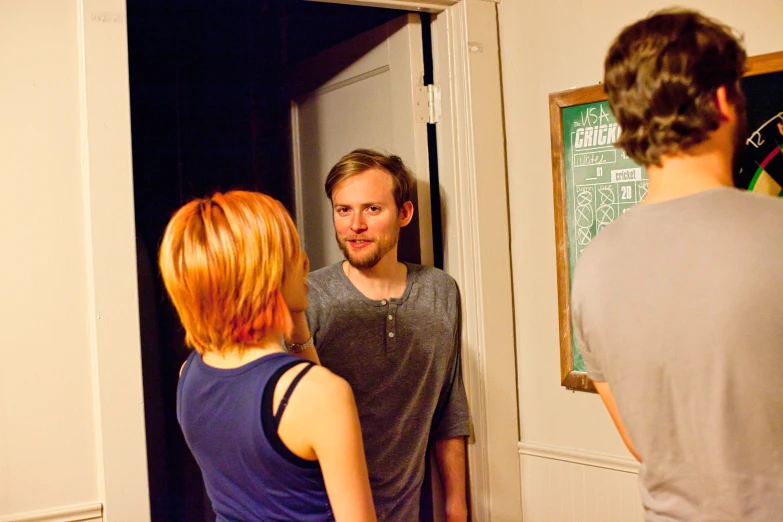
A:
300,335
340,450
321,421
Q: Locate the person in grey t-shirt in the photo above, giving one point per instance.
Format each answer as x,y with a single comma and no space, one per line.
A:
392,330
677,304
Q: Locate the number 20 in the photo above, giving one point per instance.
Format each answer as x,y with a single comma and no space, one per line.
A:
626,192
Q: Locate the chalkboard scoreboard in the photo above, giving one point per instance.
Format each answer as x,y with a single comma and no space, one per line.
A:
594,182
601,181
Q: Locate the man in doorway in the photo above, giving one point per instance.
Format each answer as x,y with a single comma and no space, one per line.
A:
392,330
677,304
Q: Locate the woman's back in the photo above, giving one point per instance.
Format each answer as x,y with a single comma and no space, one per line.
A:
227,418
276,437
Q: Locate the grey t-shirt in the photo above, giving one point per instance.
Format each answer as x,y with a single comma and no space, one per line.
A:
402,359
678,306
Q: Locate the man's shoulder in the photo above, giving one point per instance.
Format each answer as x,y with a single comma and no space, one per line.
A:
751,205
326,272
435,279
603,250
437,288
603,245
431,275
326,284
327,276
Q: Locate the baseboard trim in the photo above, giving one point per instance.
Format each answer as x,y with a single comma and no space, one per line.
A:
84,513
583,458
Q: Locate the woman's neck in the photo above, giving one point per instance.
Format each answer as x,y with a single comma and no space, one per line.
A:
236,356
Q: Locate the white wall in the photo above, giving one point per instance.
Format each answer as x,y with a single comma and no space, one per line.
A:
48,453
568,444
71,425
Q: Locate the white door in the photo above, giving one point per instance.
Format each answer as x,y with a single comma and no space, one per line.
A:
360,93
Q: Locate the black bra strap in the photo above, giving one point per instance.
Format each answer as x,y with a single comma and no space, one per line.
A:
288,392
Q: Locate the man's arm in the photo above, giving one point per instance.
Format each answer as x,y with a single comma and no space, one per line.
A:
450,427
593,365
301,334
450,456
608,398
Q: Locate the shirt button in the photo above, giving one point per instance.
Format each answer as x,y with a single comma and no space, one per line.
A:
391,334
383,301
391,317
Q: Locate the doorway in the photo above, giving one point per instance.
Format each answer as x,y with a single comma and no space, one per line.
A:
209,113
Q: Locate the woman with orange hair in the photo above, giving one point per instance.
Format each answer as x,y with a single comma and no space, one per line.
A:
276,436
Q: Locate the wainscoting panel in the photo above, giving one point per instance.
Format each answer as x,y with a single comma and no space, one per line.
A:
567,485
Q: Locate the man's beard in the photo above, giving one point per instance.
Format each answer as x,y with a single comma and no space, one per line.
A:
379,248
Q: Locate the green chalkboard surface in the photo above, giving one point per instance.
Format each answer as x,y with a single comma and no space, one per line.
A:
601,182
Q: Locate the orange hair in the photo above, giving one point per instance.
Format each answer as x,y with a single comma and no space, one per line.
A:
222,259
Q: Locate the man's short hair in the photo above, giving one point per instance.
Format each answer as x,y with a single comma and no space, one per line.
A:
223,259
661,75
361,160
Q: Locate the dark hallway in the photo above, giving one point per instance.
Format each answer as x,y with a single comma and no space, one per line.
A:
208,113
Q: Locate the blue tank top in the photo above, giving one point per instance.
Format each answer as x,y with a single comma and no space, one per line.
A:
250,475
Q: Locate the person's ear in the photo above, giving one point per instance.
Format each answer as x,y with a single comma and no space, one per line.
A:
406,213
726,108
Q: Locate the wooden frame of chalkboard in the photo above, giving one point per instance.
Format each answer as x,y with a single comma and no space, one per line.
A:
570,377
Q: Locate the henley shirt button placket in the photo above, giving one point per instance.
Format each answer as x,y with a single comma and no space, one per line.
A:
390,336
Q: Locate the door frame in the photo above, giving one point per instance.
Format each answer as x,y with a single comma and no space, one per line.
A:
426,6
466,63
474,200
474,197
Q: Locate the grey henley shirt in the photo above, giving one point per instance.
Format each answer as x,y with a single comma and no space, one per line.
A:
402,359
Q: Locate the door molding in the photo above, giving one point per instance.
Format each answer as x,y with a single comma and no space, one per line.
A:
92,512
424,6
474,197
110,259
581,457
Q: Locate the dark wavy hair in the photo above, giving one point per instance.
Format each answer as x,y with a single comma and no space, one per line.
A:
661,75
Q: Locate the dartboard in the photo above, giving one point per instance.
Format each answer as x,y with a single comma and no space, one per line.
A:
761,165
